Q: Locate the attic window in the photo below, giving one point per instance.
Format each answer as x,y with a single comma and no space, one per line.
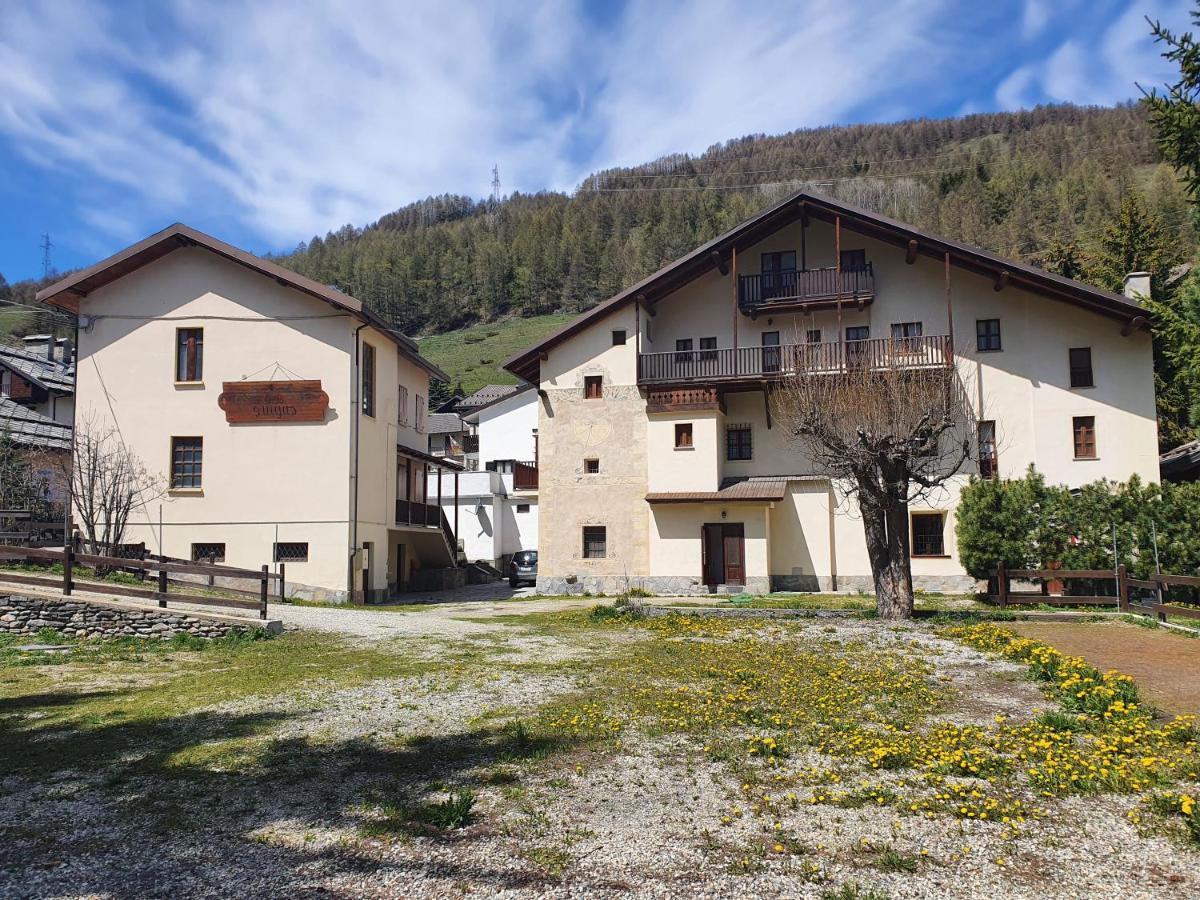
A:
619,337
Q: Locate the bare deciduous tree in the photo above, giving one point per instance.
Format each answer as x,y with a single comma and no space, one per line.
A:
108,484
886,435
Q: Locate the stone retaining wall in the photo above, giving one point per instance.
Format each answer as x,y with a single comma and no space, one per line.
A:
84,619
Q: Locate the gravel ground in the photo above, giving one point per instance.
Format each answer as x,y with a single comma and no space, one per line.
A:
644,821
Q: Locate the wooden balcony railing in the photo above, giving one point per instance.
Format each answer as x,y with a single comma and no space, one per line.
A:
764,363
811,285
525,476
410,512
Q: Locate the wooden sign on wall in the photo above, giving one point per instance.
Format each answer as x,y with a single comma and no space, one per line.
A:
273,401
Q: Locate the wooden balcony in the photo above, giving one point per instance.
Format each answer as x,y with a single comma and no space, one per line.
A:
429,515
758,364
684,400
810,289
525,476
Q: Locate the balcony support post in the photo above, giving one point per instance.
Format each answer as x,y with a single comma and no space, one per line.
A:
456,507
767,404
949,306
734,280
837,253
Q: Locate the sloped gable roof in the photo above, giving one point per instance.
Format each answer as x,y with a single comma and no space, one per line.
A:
65,294
801,204
48,374
29,428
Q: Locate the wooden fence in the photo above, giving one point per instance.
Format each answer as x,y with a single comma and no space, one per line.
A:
1145,596
70,559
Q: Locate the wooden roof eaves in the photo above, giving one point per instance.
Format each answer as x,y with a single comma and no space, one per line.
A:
158,245
694,264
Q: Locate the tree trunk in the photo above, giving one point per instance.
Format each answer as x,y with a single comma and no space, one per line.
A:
886,531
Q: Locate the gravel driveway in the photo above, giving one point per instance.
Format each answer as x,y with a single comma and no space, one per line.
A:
446,618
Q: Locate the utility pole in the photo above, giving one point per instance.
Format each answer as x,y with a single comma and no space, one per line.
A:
46,245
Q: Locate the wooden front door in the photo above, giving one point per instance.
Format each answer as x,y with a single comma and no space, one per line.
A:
723,548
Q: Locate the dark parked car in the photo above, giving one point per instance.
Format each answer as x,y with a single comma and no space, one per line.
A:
523,568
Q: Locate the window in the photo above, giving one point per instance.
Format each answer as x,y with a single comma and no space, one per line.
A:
1084,428
905,334
593,387
683,435
419,413
368,379
928,534
522,507
708,348
683,350
813,336
778,274
771,358
853,260
784,261
987,335
402,405
738,442
856,342
189,354
1081,367
619,337
186,457
208,553
591,466
291,551
595,542
987,449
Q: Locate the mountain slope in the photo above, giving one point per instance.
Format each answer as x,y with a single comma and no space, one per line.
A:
1025,184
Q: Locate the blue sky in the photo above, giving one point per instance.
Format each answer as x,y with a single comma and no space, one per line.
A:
266,123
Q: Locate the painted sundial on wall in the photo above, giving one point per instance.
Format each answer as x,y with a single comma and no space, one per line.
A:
593,433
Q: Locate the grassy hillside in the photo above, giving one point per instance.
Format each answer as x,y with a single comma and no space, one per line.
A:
473,355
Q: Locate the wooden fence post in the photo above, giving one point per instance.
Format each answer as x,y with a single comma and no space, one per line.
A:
1122,588
162,588
68,565
1002,584
262,595
212,561
282,572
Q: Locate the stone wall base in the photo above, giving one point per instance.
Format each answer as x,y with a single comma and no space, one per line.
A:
81,619
683,586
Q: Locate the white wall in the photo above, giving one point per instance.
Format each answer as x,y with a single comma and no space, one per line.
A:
506,429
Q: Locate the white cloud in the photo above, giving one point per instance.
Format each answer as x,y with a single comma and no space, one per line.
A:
292,117
1101,62
1034,18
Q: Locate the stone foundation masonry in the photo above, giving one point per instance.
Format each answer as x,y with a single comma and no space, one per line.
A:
109,619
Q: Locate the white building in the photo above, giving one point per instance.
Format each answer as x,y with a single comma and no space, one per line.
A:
285,420
498,502
660,464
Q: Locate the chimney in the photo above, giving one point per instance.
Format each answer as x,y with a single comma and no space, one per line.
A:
1137,286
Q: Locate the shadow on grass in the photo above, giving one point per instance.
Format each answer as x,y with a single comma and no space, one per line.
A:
202,788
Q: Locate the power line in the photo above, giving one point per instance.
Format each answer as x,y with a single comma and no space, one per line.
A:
957,152
46,245
793,181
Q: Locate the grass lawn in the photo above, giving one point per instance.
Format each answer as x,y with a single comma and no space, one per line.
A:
473,355
593,753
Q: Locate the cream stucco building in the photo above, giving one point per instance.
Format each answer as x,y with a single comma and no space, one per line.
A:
659,464
285,420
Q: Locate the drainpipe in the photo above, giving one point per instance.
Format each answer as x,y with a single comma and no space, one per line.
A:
355,388
68,501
